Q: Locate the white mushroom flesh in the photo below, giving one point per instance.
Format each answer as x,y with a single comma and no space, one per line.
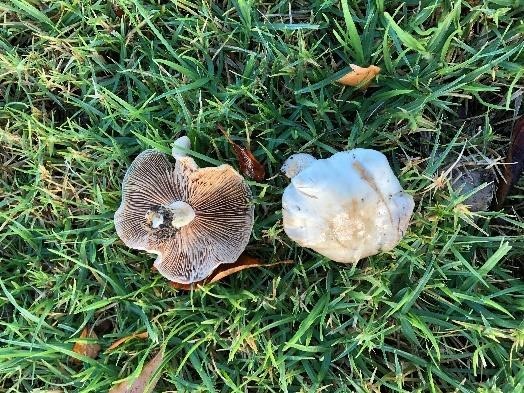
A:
347,207
155,218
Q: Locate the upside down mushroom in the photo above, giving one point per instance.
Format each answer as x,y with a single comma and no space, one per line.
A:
193,218
345,207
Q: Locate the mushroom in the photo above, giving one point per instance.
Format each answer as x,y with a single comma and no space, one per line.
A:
296,163
345,207
193,218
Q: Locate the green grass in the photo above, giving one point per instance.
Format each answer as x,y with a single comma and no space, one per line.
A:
86,85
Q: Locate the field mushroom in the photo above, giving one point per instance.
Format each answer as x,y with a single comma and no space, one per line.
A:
345,207
296,163
193,218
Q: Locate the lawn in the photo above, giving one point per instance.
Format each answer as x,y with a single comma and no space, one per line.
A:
87,85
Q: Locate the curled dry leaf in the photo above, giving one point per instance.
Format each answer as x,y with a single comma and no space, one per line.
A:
89,349
224,270
146,380
249,165
359,76
468,173
123,340
514,162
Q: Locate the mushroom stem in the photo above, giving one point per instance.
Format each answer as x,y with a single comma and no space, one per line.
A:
182,213
180,147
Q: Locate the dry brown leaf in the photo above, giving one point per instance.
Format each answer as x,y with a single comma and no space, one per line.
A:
122,340
89,349
119,12
514,162
146,380
359,76
226,269
252,343
249,165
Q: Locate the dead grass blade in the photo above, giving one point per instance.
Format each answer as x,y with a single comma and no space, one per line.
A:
120,341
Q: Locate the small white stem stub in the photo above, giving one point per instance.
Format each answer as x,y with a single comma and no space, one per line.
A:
180,147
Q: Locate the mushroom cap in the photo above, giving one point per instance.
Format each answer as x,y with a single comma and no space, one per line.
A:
347,207
219,231
296,163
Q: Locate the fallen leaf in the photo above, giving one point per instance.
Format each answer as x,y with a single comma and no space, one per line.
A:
119,12
226,269
467,174
123,340
250,340
359,76
249,165
514,162
146,380
89,349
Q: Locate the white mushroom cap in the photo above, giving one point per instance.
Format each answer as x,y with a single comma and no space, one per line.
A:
194,219
347,207
296,163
